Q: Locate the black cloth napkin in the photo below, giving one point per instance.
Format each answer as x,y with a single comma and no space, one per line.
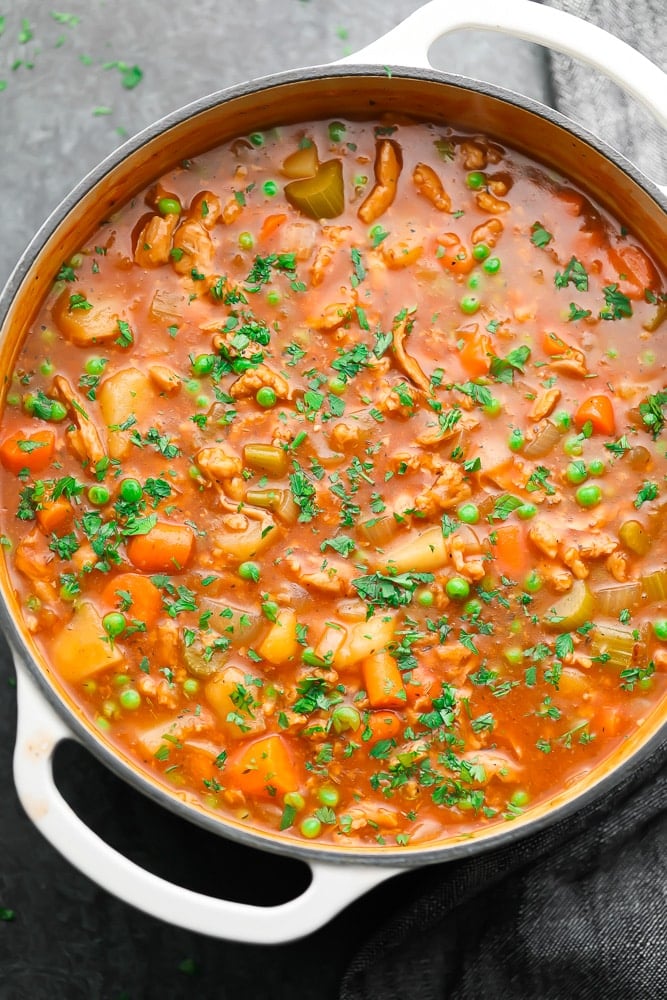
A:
580,909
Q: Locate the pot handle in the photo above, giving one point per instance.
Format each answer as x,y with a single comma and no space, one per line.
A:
408,43
39,731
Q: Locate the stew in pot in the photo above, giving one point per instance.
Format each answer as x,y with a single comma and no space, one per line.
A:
334,482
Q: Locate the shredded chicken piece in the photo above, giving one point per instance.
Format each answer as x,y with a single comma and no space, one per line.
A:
255,378
343,435
405,361
544,403
474,156
159,689
413,461
332,238
489,203
557,577
29,557
459,549
430,186
332,316
617,565
219,462
544,538
154,242
378,815
206,207
387,171
335,578
83,438
488,232
390,402
167,644
195,248
575,553
448,490
496,764
234,206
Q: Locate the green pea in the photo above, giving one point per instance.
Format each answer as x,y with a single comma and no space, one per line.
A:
249,571
194,472
457,588
589,495
573,446
114,624
345,717
513,655
337,385
246,241
203,364
58,411
202,402
336,131
526,511
256,138
493,408
266,397
130,699
274,298
95,366
660,629
13,399
473,608
98,495
533,582
469,304
474,281
563,421
329,796
271,610
46,368
190,686
169,206
576,472
480,251
193,386
468,513
311,827
270,188
597,467
492,265
476,180
102,723
120,680
131,490
520,798
294,799
516,626
425,598
516,440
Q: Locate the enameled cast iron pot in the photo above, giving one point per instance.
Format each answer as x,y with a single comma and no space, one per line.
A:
373,81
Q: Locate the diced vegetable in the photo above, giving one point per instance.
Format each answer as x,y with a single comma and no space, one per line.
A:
320,196
165,548
264,769
655,585
634,537
421,553
616,598
547,437
266,458
233,701
599,412
280,644
81,649
573,609
383,681
618,645
134,594
28,451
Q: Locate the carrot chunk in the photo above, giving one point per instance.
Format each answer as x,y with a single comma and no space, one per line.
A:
166,547
264,769
599,411
382,726
383,681
475,355
28,451
145,598
53,514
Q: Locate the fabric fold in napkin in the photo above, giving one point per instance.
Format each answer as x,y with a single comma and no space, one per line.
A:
579,910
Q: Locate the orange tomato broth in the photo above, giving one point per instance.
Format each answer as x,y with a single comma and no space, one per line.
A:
350,527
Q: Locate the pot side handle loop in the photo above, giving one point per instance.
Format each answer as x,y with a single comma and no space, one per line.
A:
40,730
408,43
